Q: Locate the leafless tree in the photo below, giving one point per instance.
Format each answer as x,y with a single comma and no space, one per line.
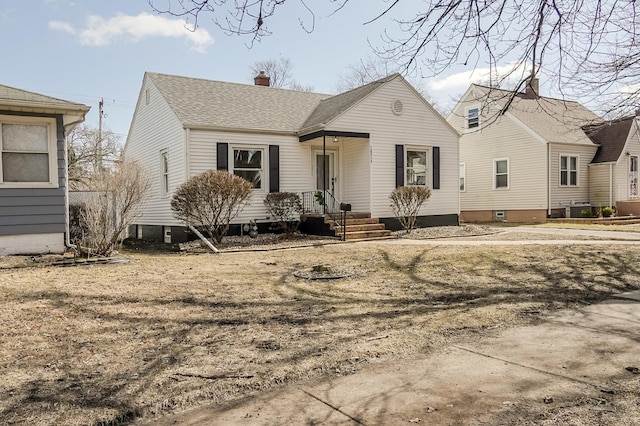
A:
115,199
586,48
279,72
91,151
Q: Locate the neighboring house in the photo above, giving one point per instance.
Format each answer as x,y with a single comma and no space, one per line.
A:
33,171
527,164
371,140
613,173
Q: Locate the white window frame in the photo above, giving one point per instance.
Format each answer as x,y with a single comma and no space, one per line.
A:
264,185
52,150
495,174
164,173
568,170
467,120
428,164
462,177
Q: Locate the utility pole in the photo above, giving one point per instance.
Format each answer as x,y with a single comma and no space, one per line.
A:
99,142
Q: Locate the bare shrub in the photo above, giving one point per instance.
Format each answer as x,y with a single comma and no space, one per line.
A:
406,202
115,200
211,200
285,207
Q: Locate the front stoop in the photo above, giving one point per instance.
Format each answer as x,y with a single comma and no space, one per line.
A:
359,226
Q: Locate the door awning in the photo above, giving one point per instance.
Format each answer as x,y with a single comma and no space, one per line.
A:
340,134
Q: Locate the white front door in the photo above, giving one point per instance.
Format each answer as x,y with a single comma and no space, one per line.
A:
633,176
325,171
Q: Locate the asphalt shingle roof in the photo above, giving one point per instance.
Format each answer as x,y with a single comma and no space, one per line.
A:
13,95
555,120
216,104
611,136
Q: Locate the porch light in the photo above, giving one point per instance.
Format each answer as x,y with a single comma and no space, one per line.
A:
335,139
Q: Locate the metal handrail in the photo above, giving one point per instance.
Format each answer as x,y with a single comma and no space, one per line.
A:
323,202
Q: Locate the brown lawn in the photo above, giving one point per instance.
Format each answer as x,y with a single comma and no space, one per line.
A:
108,343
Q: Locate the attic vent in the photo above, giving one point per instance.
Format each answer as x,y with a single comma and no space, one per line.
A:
397,107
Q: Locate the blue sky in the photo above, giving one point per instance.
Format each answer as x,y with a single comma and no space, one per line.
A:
85,50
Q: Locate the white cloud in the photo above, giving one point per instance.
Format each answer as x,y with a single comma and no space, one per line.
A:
100,31
477,75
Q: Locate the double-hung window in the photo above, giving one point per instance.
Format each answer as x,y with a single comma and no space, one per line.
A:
568,170
416,167
463,177
248,163
473,118
501,173
27,152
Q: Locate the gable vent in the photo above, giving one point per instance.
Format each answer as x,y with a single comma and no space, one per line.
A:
397,107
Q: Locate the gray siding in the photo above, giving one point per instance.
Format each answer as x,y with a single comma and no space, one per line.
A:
32,210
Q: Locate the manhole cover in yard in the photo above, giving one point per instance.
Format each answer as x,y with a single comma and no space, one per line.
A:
322,272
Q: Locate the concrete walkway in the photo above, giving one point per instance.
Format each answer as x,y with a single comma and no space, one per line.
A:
573,354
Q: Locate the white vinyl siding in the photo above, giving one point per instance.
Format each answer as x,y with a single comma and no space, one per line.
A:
527,155
28,152
156,126
357,174
295,163
599,184
560,195
417,126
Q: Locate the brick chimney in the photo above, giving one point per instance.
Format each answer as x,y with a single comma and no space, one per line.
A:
262,79
533,88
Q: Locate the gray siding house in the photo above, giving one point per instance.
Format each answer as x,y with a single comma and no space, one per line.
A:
33,171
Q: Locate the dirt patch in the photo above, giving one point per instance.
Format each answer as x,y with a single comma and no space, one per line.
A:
106,343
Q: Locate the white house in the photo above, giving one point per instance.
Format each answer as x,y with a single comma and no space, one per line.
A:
523,157
370,140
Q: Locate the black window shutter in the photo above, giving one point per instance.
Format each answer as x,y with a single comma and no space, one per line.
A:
222,156
436,167
399,166
274,168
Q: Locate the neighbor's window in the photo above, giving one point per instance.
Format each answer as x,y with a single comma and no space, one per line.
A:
416,168
568,170
27,151
164,168
247,163
463,177
473,118
501,172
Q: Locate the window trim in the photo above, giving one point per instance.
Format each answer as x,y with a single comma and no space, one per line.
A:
264,184
495,174
568,170
467,127
428,164
462,177
164,173
52,150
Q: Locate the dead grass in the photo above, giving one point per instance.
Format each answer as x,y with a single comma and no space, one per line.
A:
104,344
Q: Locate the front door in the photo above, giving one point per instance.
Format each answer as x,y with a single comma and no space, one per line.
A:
633,176
325,171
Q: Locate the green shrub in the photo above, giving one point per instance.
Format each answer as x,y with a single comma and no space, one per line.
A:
607,211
